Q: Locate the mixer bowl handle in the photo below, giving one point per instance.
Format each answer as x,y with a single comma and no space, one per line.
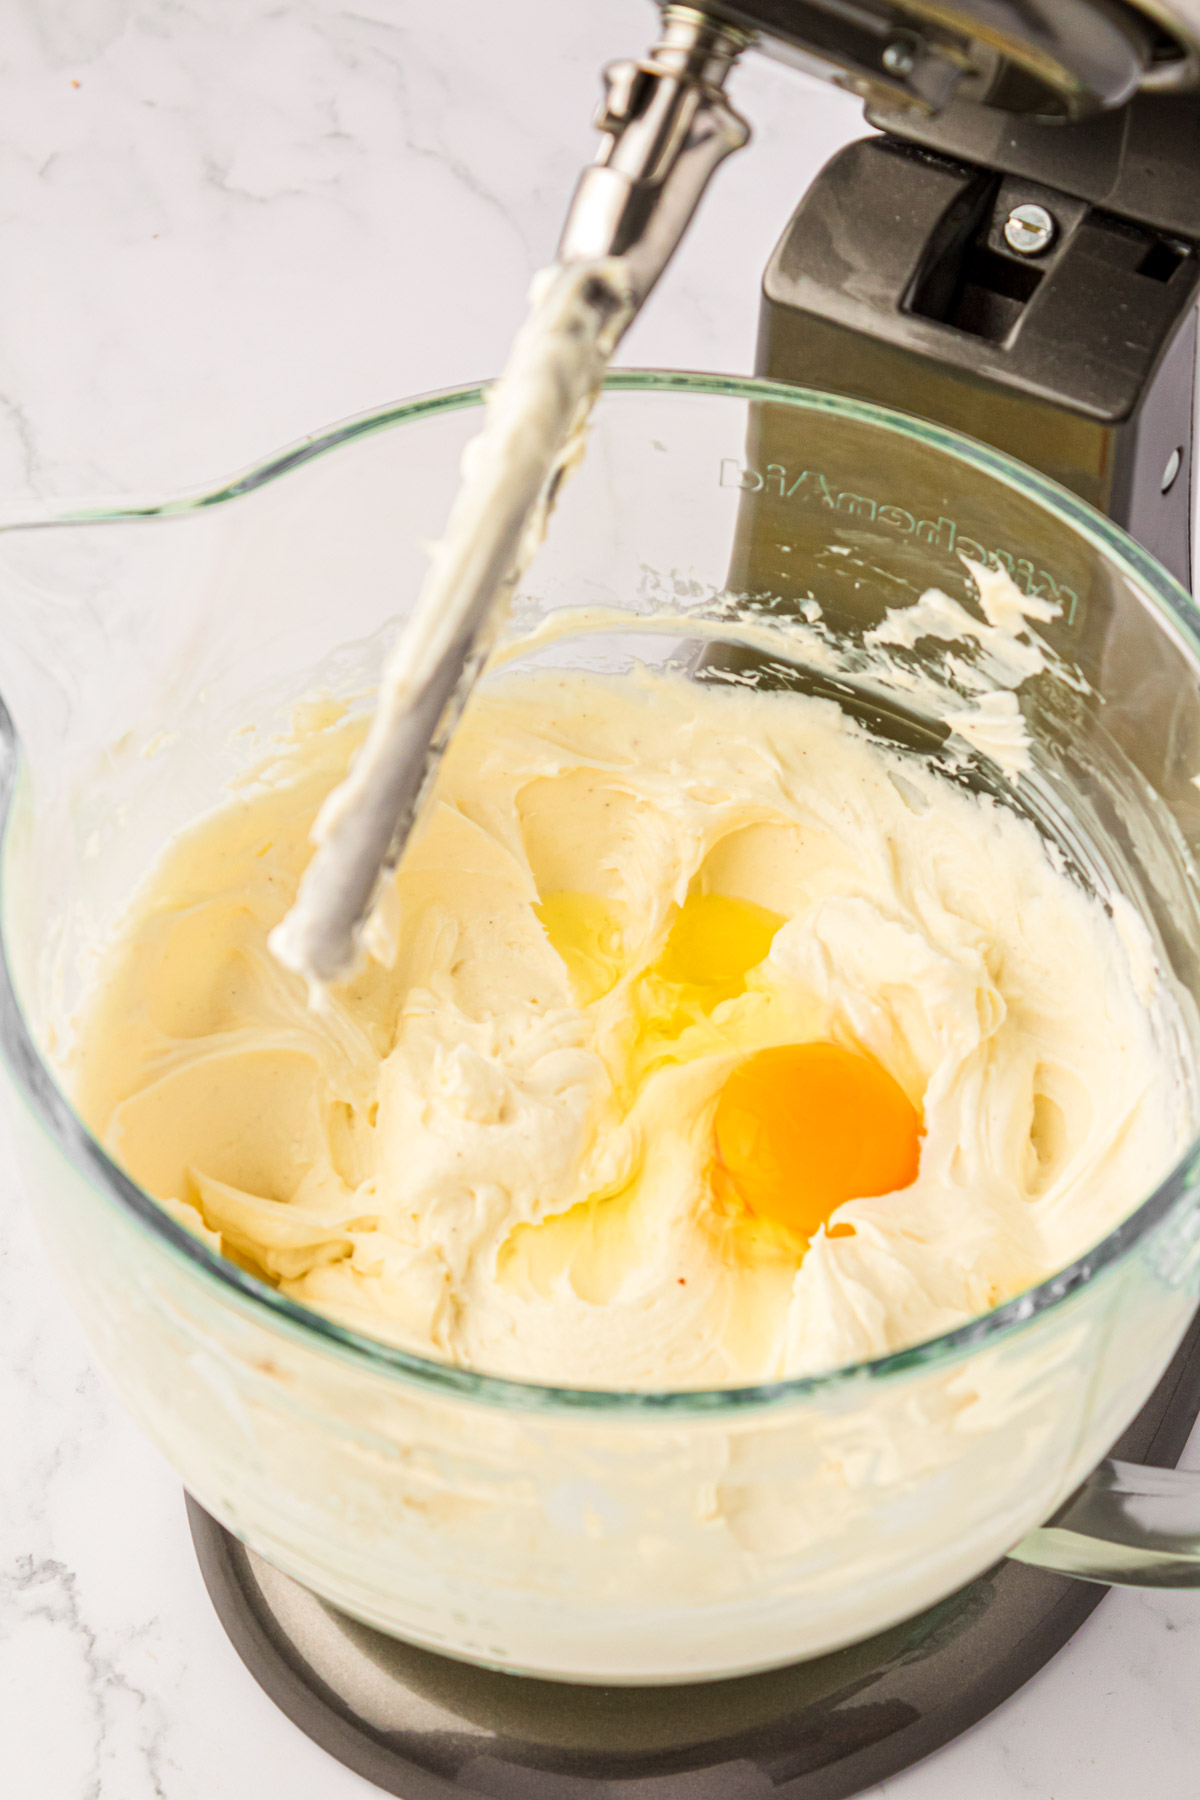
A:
1127,1526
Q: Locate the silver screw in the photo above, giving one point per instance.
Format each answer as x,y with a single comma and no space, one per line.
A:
899,57
1029,230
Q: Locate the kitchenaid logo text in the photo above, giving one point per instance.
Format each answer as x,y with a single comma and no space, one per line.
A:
811,488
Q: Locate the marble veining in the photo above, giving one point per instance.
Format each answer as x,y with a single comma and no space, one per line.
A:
225,223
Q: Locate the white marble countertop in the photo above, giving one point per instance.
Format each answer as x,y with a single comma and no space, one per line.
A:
224,223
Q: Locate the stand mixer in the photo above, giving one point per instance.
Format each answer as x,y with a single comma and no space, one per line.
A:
1013,255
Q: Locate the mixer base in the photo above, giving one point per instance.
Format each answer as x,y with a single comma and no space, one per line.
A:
424,1727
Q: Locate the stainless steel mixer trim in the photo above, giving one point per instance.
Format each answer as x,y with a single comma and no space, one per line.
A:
667,128
1043,57
1177,60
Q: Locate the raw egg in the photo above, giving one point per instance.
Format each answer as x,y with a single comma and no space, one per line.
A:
802,1127
587,933
715,940
799,1127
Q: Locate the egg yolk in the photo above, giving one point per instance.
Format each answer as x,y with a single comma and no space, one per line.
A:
715,941
802,1127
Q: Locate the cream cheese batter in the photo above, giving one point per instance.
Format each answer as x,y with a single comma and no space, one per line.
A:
495,1145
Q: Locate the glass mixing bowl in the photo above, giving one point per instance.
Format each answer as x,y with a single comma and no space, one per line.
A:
151,651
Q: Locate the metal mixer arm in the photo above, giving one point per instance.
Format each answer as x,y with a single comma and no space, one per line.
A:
667,127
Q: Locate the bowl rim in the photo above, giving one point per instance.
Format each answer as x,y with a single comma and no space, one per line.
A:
52,1111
